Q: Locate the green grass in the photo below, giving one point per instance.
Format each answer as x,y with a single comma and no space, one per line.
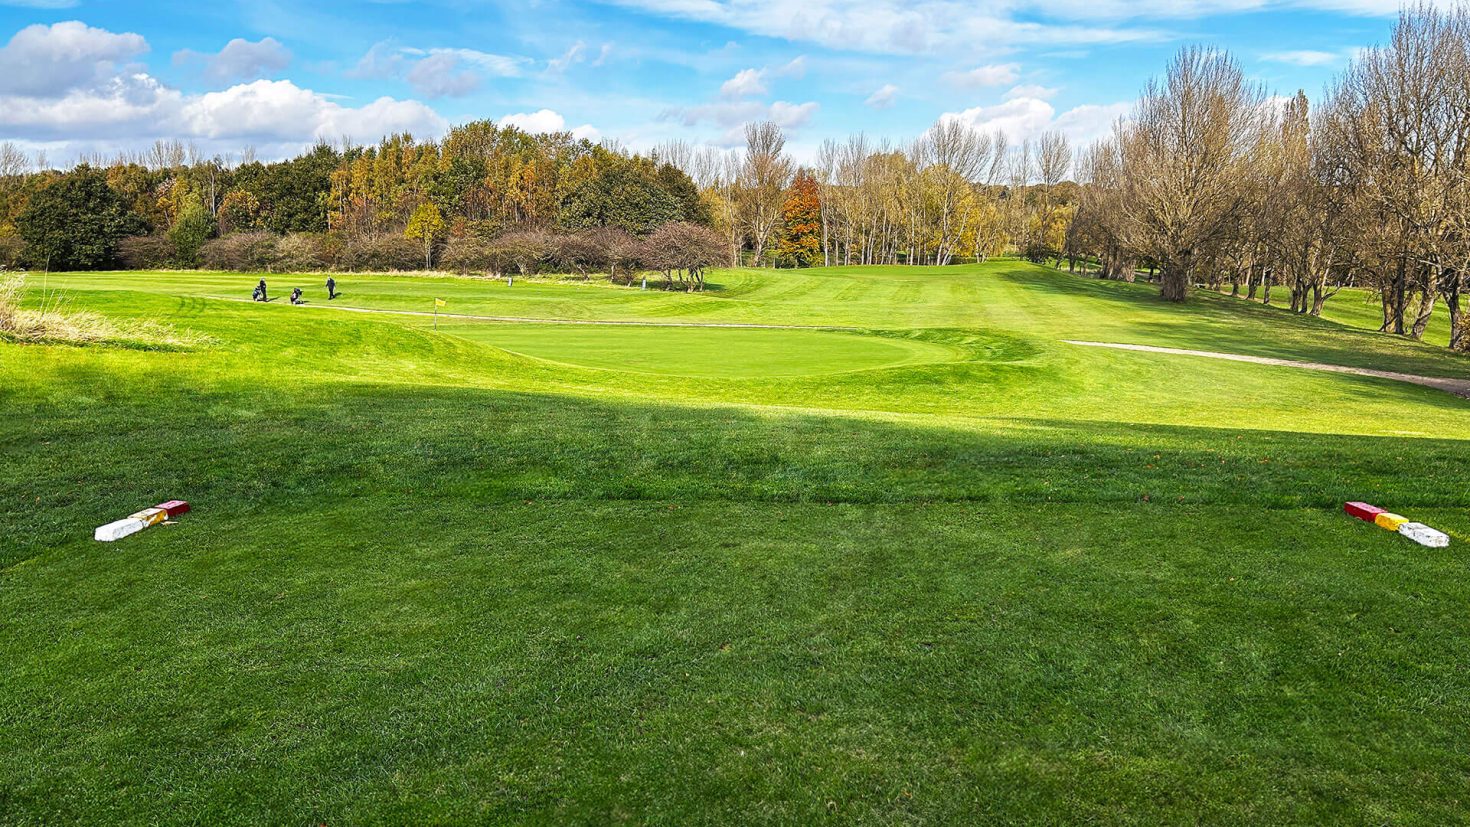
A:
943,567
706,352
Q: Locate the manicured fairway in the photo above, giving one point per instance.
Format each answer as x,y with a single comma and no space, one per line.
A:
941,568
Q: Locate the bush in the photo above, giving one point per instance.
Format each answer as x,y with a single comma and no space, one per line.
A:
301,253
332,247
581,253
679,247
383,253
622,253
245,252
145,252
467,254
522,251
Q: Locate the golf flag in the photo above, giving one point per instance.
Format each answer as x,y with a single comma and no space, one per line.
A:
440,302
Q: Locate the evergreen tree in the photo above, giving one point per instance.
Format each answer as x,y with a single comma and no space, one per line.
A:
627,195
76,221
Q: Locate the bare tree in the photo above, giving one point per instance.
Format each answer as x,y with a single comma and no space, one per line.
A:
950,158
767,171
1185,153
13,162
1401,114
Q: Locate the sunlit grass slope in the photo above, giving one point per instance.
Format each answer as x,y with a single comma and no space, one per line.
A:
937,565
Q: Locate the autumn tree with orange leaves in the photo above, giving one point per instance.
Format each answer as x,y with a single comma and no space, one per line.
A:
800,242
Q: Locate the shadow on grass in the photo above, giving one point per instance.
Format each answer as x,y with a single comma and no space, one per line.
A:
252,450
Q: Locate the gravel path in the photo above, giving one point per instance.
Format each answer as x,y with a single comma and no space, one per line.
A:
1458,387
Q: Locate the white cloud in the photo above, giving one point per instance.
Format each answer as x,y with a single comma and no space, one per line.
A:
47,61
749,83
1017,118
1026,117
279,112
791,115
1090,122
995,74
240,59
575,54
88,99
1303,57
738,113
547,120
1032,90
500,66
131,105
440,76
901,26
746,83
883,98
382,60
939,26
436,73
796,68
282,111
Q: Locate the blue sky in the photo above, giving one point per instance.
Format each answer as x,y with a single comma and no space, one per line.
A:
80,76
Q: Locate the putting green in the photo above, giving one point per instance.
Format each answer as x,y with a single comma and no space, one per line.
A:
716,352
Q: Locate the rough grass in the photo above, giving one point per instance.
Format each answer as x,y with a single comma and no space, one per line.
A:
429,579
49,323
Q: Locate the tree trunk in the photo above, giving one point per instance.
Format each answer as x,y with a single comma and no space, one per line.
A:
1451,281
1400,295
1459,340
1421,319
1174,283
1319,300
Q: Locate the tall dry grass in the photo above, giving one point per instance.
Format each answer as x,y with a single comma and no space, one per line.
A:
50,324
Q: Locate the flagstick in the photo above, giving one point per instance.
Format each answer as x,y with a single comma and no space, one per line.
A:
436,314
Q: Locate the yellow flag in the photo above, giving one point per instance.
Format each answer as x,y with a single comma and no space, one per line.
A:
440,302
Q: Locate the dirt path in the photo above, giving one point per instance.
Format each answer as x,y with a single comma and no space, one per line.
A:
534,320
1458,387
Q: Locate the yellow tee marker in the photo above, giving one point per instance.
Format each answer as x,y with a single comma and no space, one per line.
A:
1389,521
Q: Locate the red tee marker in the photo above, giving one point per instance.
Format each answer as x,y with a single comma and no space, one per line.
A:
1363,511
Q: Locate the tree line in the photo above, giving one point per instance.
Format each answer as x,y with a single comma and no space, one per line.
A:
1215,182
496,199
1209,181
485,198
953,194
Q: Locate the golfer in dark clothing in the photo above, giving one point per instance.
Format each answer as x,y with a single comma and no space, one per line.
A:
296,295
331,288
260,288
